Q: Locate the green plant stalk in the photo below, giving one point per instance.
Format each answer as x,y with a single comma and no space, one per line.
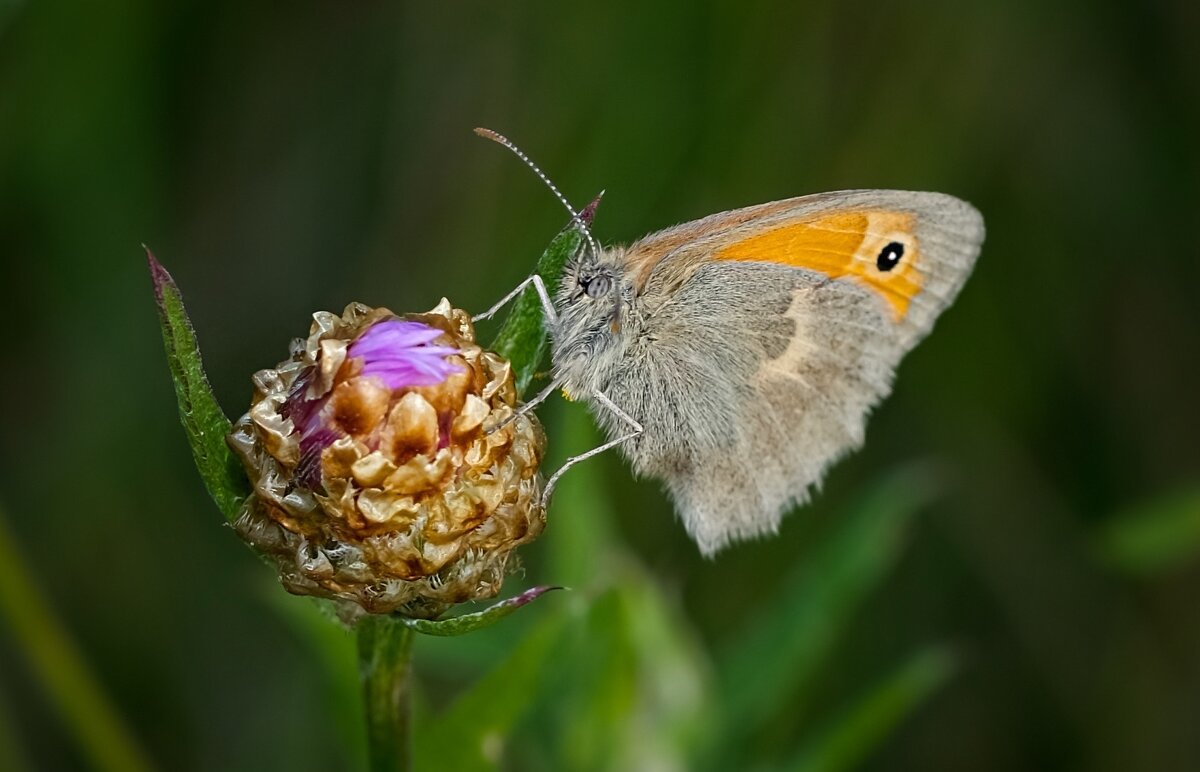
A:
107,743
385,667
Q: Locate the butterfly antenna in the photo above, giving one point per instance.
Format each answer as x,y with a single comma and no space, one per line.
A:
576,219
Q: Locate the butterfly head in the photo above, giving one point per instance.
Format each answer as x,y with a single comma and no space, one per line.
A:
593,303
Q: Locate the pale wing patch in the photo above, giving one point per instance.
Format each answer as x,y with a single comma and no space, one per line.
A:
802,350
804,407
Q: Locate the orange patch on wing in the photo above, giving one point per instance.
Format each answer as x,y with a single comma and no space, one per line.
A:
843,245
645,254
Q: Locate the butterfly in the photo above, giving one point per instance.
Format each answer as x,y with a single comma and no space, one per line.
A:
736,357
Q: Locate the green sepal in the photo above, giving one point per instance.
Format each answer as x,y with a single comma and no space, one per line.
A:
203,420
468,623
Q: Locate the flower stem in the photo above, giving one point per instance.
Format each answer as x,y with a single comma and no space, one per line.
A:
385,668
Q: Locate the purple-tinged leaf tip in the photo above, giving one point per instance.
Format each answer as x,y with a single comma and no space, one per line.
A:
159,276
530,595
589,212
510,605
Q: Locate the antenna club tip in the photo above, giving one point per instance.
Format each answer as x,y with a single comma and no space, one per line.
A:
495,136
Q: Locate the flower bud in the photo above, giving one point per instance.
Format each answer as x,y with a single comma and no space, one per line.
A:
379,476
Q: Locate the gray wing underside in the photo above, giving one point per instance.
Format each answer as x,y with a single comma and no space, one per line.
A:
760,378
753,378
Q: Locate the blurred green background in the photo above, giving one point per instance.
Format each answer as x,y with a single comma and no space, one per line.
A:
1038,612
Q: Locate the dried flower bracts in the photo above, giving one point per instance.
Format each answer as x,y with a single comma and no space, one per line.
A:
376,478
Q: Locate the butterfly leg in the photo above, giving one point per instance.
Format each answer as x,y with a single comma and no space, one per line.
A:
543,295
551,315
538,399
635,427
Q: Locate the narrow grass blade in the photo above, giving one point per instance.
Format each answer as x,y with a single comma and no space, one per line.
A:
13,757
60,668
335,657
777,656
859,731
472,733
1154,537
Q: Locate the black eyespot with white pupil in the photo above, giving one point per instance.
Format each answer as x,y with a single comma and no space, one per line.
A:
597,286
889,256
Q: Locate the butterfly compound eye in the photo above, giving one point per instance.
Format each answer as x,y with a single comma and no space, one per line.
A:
889,256
597,286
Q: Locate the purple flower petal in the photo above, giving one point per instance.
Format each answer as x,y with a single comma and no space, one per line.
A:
399,354
396,352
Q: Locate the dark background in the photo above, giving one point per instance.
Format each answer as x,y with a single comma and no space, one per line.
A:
282,159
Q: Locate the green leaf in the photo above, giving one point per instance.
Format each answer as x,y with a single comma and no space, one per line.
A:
471,734
522,338
480,619
203,421
578,546
1156,536
633,689
874,716
596,686
777,656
